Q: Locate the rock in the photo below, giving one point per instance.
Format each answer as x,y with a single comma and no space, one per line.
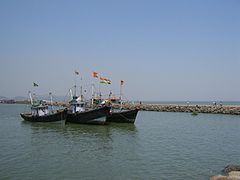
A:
230,168
232,171
218,177
234,175
234,110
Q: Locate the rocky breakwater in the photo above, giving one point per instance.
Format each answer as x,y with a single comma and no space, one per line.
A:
214,109
232,172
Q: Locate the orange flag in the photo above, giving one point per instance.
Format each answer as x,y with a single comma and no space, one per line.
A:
95,74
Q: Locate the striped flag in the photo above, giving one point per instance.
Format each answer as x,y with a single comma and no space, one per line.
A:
105,80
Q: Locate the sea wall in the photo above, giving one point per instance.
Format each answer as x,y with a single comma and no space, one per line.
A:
214,109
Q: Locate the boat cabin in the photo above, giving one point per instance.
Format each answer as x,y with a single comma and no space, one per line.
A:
76,105
39,108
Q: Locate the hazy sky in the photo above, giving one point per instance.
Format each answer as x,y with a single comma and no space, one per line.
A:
163,50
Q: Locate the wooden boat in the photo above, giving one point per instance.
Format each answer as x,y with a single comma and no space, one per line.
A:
119,115
40,113
78,114
127,116
95,116
60,115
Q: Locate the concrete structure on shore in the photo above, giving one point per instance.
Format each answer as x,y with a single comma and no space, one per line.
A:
213,109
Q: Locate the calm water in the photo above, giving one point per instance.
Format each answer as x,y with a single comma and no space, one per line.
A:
158,146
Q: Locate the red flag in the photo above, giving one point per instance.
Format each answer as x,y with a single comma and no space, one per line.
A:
122,82
95,74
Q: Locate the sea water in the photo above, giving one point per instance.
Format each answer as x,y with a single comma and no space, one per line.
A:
160,145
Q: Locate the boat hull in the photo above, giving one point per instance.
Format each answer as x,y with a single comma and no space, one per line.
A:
60,115
123,116
96,116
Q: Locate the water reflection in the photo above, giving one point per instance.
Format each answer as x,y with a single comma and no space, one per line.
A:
77,129
76,133
81,144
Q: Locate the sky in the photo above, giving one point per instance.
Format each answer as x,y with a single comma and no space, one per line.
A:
164,50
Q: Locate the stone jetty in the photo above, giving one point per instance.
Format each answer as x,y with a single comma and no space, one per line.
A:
233,175
213,109
232,172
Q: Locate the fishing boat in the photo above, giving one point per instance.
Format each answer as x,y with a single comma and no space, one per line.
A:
40,112
78,113
122,116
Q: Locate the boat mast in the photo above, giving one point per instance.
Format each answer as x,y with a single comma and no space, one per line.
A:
71,94
92,94
95,75
75,86
81,91
120,98
51,100
99,91
30,96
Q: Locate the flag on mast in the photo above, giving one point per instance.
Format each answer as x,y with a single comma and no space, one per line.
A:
35,84
76,72
105,80
95,74
122,82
